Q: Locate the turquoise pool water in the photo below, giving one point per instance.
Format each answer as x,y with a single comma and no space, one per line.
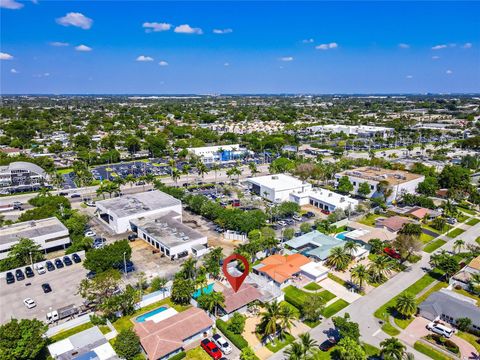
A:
341,235
206,290
144,317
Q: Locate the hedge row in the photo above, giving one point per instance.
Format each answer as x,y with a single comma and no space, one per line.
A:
178,356
236,340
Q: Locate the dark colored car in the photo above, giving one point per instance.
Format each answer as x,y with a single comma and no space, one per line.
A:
46,288
49,265
76,258
63,193
327,345
67,261
132,237
73,196
19,275
309,214
58,263
29,272
211,349
10,278
91,275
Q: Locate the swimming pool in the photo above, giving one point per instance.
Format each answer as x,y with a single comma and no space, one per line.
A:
206,290
144,317
341,235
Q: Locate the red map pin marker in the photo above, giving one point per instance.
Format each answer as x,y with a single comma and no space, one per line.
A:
235,281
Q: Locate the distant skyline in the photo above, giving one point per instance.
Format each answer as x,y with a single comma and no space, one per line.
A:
154,47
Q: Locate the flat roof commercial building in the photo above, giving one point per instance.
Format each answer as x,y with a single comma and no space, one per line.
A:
167,234
116,213
218,153
21,176
357,130
399,181
325,200
278,187
49,233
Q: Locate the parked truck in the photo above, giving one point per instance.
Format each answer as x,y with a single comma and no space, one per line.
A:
62,313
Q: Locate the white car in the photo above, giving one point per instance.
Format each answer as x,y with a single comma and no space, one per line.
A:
222,344
40,269
90,233
440,329
29,303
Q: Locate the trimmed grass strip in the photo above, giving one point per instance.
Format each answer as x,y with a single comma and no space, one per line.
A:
434,245
430,351
332,309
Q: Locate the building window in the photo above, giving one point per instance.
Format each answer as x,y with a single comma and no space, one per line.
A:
372,187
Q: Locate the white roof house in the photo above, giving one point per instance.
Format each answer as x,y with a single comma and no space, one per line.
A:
278,187
325,200
210,154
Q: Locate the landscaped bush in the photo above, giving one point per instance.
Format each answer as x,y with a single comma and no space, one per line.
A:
441,341
236,340
178,356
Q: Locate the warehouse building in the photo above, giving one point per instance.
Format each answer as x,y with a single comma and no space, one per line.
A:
21,176
277,188
220,153
49,233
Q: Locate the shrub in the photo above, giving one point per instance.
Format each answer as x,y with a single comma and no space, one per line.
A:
178,356
237,323
236,340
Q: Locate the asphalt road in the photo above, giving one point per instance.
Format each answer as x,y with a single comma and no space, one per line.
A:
361,311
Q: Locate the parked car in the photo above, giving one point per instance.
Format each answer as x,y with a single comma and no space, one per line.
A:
326,212
46,288
91,275
89,233
327,345
58,263
40,269
440,329
29,272
132,237
90,203
297,218
49,265
211,349
10,278
29,303
63,193
73,196
19,275
223,344
67,260
76,258
392,253
309,214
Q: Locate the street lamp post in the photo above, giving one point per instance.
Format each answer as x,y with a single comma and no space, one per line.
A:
125,262
31,259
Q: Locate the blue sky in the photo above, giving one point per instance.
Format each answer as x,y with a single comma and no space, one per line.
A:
258,47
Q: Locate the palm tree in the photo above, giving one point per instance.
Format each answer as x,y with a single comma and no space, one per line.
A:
173,165
186,170
351,247
359,274
130,179
253,168
202,169
269,318
474,283
189,268
379,268
406,304
458,245
308,344
392,349
212,301
295,352
175,175
303,349
338,258
287,315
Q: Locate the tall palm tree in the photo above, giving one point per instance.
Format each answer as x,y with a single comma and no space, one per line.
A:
474,283
173,165
253,168
189,268
295,352
212,301
379,268
392,349
406,304
338,258
350,247
308,344
186,170
458,245
287,315
269,319
175,175
359,274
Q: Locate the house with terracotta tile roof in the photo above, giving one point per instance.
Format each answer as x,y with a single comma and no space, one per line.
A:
283,269
237,301
420,213
163,339
394,223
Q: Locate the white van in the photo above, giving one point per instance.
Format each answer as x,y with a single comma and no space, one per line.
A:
40,269
440,329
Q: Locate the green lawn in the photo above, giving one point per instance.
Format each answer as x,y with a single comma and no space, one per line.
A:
472,339
332,309
64,171
462,217
455,232
434,245
313,286
371,350
197,354
468,211
478,240
296,311
430,351
104,329
278,345
125,322
389,329
445,228
301,295
67,333
337,279
473,221
369,219
426,238
434,288
388,309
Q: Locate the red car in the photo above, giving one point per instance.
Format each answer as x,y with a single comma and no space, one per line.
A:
392,253
326,212
211,349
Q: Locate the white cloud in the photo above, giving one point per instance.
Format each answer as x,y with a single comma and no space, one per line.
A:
435,57
222,31
449,72
467,45
5,56
286,58
144,58
403,46
187,29
83,48
226,64
439,47
14,71
308,41
76,19
409,76
10,4
42,75
163,63
332,45
58,43
156,27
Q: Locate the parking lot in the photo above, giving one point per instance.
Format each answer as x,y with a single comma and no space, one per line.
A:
64,283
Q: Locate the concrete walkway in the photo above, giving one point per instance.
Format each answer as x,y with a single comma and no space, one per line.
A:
339,290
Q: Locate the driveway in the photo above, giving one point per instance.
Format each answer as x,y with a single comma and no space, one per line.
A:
418,329
339,290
